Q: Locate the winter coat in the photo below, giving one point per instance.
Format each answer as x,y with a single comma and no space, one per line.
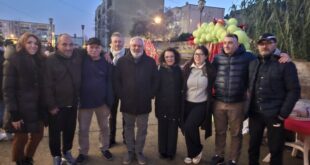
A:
274,87
232,75
135,83
62,80
169,94
22,91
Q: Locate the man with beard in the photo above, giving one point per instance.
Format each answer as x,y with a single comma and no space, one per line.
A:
273,89
135,84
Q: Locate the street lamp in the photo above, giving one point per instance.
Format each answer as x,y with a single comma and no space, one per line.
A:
83,38
201,6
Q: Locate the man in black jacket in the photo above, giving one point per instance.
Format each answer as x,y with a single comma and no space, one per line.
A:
135,84
62,81
273,89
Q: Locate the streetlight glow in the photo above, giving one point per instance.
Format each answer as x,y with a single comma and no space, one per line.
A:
157,19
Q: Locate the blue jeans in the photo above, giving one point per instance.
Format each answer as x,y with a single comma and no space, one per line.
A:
1,113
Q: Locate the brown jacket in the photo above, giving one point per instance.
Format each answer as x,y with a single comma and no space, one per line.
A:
22,80
62,80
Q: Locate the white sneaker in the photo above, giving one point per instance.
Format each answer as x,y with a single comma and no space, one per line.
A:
197,159
188,160
2,136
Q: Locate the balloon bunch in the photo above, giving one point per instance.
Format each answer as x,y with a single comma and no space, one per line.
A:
215,32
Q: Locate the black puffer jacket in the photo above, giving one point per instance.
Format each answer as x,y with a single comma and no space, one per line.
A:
232,75
22,90
169,93
273,88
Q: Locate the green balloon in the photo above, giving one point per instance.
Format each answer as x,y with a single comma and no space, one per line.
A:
242,36
232,21
208,37
195,33
232,28
247,46
196,41
222,36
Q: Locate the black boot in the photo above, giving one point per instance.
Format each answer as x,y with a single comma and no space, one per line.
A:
19,162
28,161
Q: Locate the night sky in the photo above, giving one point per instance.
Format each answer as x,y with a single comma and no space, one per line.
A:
69,15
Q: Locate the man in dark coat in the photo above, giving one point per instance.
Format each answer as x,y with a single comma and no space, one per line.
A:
62,84
135,84
117,51
273,89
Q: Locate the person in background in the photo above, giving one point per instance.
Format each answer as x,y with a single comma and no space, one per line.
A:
199,76
168,102
96,96
117,51
22,93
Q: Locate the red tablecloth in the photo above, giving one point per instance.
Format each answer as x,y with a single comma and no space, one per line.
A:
299,126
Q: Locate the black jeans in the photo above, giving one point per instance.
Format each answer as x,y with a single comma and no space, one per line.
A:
194,116
64,121
275,135
112,120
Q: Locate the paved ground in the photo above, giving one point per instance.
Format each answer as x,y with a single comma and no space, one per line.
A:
43,157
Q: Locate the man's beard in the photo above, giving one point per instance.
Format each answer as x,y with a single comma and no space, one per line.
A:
136,55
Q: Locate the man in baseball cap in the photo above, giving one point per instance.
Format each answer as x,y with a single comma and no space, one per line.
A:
267,37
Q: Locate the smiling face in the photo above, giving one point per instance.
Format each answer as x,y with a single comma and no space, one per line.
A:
199,57
31,45
169,58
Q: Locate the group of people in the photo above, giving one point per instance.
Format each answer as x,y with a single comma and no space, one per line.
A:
71,84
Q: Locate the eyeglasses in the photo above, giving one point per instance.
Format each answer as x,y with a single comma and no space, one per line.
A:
198,54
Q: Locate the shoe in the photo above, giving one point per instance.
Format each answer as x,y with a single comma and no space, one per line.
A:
197,159
107,155
81,159
112,143
2,136
231,162
28,161
57,160
128,157
163,156
217,160
188,160
69,158
141,158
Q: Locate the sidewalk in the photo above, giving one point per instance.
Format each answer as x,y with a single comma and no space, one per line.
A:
43,157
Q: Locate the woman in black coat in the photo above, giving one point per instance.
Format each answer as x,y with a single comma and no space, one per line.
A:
21,92
167,102
199,76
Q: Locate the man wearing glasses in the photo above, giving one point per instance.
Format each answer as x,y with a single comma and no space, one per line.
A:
273,90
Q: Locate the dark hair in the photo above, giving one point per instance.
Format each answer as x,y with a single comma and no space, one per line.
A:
204,50
231,35
177,56
22,41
